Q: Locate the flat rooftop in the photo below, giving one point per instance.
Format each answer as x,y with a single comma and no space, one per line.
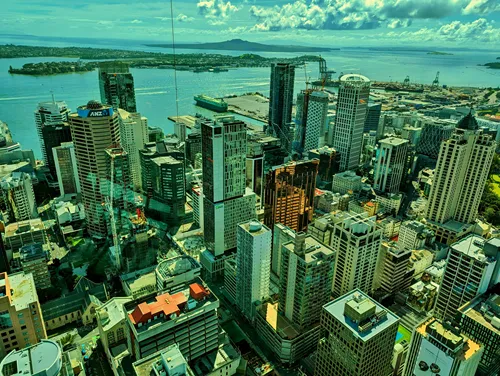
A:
176,266
34,360
168,359
29,225
313,250
472,246
254,228
485,310
111,312
362,305
396,141
214,360
23,290
279,323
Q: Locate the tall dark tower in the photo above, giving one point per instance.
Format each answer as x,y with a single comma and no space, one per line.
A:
116,84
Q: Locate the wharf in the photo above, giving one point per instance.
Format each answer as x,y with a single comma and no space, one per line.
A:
188,120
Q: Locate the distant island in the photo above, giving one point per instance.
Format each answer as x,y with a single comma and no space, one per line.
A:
494,65
244,45
438,53
51,68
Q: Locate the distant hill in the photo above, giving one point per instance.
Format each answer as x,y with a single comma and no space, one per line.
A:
243,45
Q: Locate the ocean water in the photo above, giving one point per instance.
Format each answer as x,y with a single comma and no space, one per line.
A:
155,92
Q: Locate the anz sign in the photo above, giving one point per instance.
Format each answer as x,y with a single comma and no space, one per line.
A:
86,113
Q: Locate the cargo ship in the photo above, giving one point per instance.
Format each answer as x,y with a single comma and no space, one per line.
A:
217,105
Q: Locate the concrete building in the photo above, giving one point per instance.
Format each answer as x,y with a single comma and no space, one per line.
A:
116,84
462,169
310,120
51,114
479,319
358,337
133,137
23,233
282,235
18,197
352,103
43,358
94,128
253,263
289,194
176,271
22,320
53,136
33,259
346,182
111,323
357,239
372,119
281,102
439,348
187,315
193,146
413,235
472,267
390,165
255,168
396,276
66,169
169,362
230,271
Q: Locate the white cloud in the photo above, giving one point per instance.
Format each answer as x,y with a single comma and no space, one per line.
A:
219,9
136,21
482,7
183,18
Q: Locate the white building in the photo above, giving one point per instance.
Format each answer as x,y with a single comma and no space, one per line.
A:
390,164
66,169
352,105
133,136
253,262
19,197
412,235
312,109
43,358
345,182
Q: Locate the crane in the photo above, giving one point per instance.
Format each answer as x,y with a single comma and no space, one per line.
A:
109,208
406,82
435,83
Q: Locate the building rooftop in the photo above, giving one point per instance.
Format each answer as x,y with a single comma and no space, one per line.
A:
254,228
354,78
169,361
361,314
176,266
279,323
44,358
396,141
310,250
165,160
478,248
32,251
23,290
357,223
111,313
29,225
215,360
141,282
485,309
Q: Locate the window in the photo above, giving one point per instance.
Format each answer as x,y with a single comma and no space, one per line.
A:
5,321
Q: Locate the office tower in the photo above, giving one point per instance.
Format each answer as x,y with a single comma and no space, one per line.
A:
193,146
357,239
461,172
186,315
169,189
281,102
43,358
352,101
33,259
310,120
94,128
18,197
473,264
291,325
358,337
440,348
66,169
253,262
390,165
329,164
413,235
53,136
289,194
51,114
22,321
116,84
230,271
372,119
479,319
226,202
396,276
133,137
281,235
118,176
434,132
255,168
346,182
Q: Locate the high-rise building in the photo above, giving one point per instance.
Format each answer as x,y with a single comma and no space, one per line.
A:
461,172
193,146
51,114
358,337
94,128
281,102
352,102
43,358
396,276
33,259
479,319
390,164
169,190
372,117
253,262
329,164
18,197
440,348
22,323
357,239
66,169
289,194
434,132
310,120
281,235
22,233
53,136
473,265
255,168
116,84
133,137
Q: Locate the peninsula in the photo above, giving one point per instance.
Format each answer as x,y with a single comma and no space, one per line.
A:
494,65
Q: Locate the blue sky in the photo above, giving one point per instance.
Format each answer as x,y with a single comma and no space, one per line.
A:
450,23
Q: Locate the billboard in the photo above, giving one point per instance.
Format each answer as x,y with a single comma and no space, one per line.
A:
88,113
431,361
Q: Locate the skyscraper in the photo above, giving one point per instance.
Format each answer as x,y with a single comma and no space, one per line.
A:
473,265
133,137
53,136
116,84
390,164
53,114
359,336
434,132
253,261
462,169
440,348
66,169
289,194
310,120
372,117
118,173
281,102
18,197
357,239
350,119
94,128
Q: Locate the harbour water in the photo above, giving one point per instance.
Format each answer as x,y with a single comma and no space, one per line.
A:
155,91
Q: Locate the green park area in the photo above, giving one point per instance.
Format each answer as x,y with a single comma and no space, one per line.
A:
403,334
495,182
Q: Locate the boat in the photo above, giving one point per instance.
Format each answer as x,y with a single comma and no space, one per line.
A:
399,87
217,70
214,104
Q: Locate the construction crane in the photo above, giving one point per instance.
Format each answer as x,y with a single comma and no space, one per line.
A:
406,82
435,83
109,207
200,204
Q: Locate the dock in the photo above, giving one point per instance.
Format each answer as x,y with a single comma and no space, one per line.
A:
188,120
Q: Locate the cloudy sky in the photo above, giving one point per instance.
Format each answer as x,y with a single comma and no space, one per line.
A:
450,23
